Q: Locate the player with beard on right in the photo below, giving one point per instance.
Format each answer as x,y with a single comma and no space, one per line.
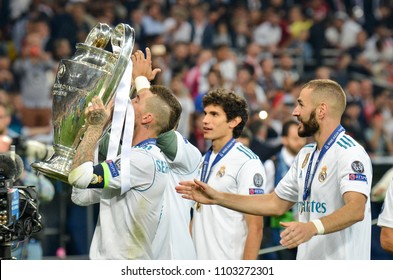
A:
329,180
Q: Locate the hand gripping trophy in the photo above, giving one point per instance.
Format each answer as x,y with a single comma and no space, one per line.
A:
91,71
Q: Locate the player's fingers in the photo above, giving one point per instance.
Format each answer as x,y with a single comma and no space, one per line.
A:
155,72
183,189
148,54
200,184
136,56
140,55
97,101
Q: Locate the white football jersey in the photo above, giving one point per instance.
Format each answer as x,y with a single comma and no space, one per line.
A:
345,167
127,223
173,239
385,219
220,233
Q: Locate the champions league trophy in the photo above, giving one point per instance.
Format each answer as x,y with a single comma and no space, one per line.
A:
89,72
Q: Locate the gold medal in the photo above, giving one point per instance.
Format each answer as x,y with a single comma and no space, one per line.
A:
198,206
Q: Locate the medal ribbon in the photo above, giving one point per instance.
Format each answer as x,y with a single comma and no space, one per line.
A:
123,116
224,150
144,143
307,182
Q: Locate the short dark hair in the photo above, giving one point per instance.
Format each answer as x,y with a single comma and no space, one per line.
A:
328,91
169,110
232,104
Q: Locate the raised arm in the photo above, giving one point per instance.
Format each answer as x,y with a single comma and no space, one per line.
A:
96,117
143,66
262,205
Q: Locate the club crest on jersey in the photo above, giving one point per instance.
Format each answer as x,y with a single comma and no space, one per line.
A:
221,172
323,174
357,166
258,180
96,179
305,160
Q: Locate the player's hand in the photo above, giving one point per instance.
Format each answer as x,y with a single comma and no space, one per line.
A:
198,191
296,233
96,113
143,66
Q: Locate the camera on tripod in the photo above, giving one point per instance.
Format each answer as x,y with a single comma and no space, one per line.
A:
19,216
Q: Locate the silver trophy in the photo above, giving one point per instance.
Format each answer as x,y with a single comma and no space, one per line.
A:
91,71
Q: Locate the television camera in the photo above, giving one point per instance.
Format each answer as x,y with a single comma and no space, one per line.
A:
19,216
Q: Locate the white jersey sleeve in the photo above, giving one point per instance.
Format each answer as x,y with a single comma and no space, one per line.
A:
81,176
355,172
85,197
107,174
385,219
252,178
187,157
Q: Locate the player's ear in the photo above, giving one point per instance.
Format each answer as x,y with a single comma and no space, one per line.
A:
233,123
321,110
147,118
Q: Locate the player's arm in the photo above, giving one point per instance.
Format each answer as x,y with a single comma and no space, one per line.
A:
385,220
378,192
355,192
83,197
254,237
97,116
262,205
351,213
142,67
387,239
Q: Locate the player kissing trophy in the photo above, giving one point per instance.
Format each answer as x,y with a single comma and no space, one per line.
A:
91,71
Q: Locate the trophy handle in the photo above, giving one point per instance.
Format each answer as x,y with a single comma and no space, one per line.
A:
99,36
122,40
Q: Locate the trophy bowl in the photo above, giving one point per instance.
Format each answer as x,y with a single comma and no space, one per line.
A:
91,71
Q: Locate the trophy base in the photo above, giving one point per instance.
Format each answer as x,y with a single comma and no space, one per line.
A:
58,166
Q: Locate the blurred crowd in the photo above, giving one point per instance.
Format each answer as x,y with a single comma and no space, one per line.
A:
263,49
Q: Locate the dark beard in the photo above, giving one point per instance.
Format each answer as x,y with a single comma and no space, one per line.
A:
310,127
